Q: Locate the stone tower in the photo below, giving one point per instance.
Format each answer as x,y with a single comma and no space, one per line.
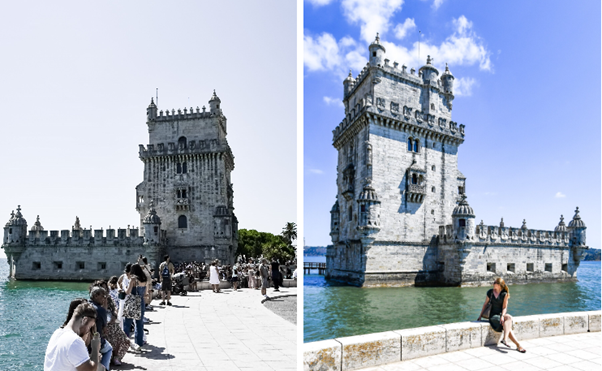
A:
187,166
398,178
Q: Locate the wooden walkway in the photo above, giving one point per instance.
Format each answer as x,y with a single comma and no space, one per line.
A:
308,267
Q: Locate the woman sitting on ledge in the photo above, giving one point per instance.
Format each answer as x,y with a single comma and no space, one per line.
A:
499,320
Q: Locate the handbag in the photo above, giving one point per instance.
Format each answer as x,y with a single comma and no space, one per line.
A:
121,295
132,308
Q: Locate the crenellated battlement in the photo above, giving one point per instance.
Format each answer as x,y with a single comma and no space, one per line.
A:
85,237
492,234
186,114
192,147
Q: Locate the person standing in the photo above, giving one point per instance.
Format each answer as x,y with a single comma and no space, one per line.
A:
264,272
137,286
148,297
234,279
166,271
214,276
275,274
98,298
67,350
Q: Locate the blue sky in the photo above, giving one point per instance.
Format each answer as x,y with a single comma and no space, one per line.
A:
77,78
529,95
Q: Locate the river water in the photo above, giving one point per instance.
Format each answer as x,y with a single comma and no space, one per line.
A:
29,313
331,310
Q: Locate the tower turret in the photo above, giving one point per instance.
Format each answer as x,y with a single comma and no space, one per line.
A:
214,104
377,52
15,229
347,85
447,80
463,221
151,111
577,229
152,227
334,222
429,72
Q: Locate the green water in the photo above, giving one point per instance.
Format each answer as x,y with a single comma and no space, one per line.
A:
333,311
29,314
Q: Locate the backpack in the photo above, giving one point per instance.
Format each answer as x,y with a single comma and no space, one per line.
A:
165,270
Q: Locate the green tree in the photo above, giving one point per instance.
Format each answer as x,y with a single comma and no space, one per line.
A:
289,232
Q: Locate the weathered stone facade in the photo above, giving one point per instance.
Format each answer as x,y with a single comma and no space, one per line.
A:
396,220
185,203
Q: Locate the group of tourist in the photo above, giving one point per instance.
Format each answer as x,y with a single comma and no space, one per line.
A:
98,328
114,309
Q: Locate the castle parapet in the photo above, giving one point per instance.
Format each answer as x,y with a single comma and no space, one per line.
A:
85,237
192,147
509,235
185,114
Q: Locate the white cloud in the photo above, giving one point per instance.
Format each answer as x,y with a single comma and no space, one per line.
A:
437,4
463,86
318,3
334,102
560,195
402,29
316,171
372,15
321,53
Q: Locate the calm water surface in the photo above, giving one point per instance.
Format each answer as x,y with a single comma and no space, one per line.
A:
29,314
332,310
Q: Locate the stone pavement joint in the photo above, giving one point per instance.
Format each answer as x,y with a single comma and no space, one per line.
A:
229,331
579,352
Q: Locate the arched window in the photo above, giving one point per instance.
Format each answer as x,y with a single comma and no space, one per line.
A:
415,146
179,168
433,106
350,213
433,189
182,142
184,168
414,179
462,223
409,144
182,221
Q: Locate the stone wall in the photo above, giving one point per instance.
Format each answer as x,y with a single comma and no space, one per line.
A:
362,351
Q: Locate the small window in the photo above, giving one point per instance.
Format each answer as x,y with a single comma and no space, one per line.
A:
510,267
184,193
416,146
179,168
182,221
57,265
184,168
432,212
218,106
410,144
432,106
460,190
433,189
350,216
529,267
80,265
156,230
433,168
363,208
491,267
548,267
182,142
565,267
462,223
374,54
36,266
102,266
414,179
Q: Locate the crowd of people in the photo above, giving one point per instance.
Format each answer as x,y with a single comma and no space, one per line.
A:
98,329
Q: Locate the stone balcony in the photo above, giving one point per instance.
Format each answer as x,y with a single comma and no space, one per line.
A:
416,192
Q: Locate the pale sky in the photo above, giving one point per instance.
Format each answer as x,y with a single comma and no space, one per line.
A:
76,78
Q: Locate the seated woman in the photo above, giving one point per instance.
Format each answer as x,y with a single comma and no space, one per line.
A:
499,320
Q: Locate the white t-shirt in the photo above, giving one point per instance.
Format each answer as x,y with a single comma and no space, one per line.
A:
66,350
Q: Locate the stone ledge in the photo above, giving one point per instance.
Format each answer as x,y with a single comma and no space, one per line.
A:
369,350
322,355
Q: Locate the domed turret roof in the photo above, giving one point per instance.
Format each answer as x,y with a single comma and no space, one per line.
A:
151,217
349,77
335,207
447,72
152,104
368,194
214,97
17,219
376,44
576,222
429,66
37,226
463,208
561,227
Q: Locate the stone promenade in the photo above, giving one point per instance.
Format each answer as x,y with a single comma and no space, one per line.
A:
579,352
206,331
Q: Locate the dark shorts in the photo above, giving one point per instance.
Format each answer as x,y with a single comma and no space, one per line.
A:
495,323
166,284
234,279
